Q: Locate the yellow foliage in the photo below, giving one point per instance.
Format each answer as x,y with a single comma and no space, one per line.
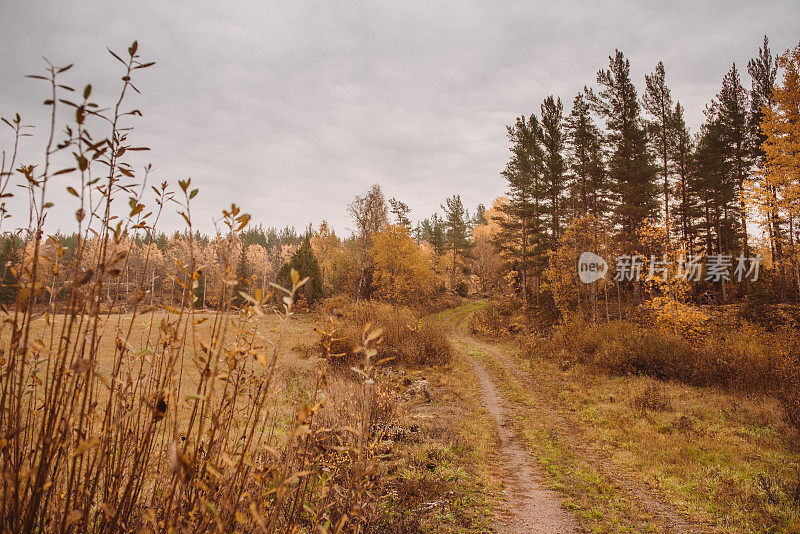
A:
777,186
338,263
402,271
487,261
584,234
689,321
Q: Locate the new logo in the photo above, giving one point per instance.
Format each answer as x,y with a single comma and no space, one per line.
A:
591,267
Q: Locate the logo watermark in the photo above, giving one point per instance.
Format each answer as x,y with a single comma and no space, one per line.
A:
690,268
591,267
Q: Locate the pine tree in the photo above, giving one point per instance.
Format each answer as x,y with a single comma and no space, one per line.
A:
630,167
601,198
763,70
589,192
480,216
681,153
400,210
305,263
457,232
714,185
732,112
432,230
553,163
657,100
521,238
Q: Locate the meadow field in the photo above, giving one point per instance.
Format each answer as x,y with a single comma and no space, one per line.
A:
576,357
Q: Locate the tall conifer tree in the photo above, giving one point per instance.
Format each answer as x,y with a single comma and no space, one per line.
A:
457,224
589,187
657,100
630,168
681,153
520,238
554,167
763,71
733,107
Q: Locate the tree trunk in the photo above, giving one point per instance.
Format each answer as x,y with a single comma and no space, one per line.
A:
666,175
524,268
53,289
743,210
684,203
794,255
719,251
264,285
453,281
777,241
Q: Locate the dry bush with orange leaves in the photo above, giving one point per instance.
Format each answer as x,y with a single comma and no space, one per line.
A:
495,320
746,358
408,340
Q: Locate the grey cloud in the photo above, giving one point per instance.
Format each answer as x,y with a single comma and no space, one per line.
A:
293,108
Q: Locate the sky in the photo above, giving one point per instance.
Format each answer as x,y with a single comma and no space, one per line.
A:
290,109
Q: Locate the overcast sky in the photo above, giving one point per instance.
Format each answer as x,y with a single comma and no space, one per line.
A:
290,109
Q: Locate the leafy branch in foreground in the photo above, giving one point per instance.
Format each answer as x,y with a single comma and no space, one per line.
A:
118,415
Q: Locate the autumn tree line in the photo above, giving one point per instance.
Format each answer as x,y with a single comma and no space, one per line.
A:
619,172
152,263
384,257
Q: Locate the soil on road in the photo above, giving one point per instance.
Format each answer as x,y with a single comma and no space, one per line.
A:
530,505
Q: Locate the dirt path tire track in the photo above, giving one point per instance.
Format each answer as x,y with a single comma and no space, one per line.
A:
667,520
530,507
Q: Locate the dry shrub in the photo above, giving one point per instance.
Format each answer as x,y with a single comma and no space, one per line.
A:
621,347
789,390
438,302
748,358
498,319
504,318
334,305
763,307
407,339
105,428
653,397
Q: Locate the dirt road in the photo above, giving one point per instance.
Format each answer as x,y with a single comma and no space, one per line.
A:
530,506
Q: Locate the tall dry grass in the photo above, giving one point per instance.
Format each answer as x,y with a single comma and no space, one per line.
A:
170,430
754,351
408,339
745,357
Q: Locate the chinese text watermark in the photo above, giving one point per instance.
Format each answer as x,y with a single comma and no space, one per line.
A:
690,268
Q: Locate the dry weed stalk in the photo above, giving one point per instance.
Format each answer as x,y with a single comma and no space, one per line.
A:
171,425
